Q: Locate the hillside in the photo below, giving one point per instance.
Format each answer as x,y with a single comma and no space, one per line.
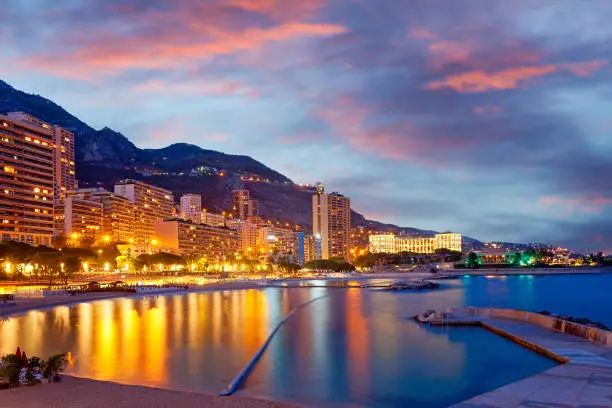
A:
105,156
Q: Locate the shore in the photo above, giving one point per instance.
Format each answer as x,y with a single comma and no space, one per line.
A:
75,392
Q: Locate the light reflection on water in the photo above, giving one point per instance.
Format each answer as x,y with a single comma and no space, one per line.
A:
354,346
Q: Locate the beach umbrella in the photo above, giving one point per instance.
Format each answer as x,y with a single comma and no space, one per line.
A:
18,352
24,360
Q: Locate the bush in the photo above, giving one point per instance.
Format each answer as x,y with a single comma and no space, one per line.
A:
10,368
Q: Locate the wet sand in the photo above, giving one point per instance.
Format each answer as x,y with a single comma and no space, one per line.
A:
84,393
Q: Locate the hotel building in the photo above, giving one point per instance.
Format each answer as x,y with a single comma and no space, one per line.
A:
214,220
27,179
391,244
331,221
151,204
118,214
78,217
186,238
191,207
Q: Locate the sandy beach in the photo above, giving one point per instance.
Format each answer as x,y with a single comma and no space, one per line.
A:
84,393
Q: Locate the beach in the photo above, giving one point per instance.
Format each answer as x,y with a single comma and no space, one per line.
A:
75,392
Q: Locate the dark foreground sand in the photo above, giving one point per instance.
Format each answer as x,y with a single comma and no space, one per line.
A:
84,393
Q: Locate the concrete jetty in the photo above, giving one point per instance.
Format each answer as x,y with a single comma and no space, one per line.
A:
584,379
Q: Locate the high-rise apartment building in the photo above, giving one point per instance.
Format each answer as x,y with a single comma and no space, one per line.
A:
63,154
26,179
331,222
184,237
118,213
191,207
78,217
64,162
253,209
240,203
150,205
248,234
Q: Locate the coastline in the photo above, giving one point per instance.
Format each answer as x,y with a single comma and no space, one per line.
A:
76,392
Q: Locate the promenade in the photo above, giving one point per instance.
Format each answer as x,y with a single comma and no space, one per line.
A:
584,381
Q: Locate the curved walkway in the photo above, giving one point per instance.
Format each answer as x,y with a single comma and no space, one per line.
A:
584,381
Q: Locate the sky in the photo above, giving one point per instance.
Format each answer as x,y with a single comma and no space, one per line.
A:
488,117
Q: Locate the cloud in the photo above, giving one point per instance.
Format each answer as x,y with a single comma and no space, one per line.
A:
484,110
481,81
167,37
585,205
420,33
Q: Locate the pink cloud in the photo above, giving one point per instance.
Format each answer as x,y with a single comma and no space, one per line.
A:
180,37
483,110
420,33
510,78
197,87
584,68
585,205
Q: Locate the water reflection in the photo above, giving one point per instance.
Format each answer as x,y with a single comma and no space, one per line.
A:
352,346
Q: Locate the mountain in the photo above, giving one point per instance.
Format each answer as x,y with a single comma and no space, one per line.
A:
105,156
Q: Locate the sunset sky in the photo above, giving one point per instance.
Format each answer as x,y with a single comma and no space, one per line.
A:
488,117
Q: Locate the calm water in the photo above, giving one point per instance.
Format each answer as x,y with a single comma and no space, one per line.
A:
354,347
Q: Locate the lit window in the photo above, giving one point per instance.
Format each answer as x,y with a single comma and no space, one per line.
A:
37,190
9,169
28,138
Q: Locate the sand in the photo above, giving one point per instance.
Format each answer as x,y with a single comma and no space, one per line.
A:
84,393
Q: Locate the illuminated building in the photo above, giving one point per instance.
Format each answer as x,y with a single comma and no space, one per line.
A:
27,179
191,207
118,213
214,220
78,217
384,243
253,208
331,220
187,238
150,205
389,243
448,240
243,206
63,154
276,240
248,235
240,203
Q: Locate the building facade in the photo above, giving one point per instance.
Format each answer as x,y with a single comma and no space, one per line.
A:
278,241
191,207
240,203
118,214
64,162
27,180
150,205
79,218
186,238
214,220
331,221
391,244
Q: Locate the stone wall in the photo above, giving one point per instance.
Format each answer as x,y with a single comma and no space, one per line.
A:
591,334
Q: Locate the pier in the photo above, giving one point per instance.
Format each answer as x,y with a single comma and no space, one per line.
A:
583,378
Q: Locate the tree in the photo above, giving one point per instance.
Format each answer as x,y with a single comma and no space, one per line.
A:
69,267
48,265
472,261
